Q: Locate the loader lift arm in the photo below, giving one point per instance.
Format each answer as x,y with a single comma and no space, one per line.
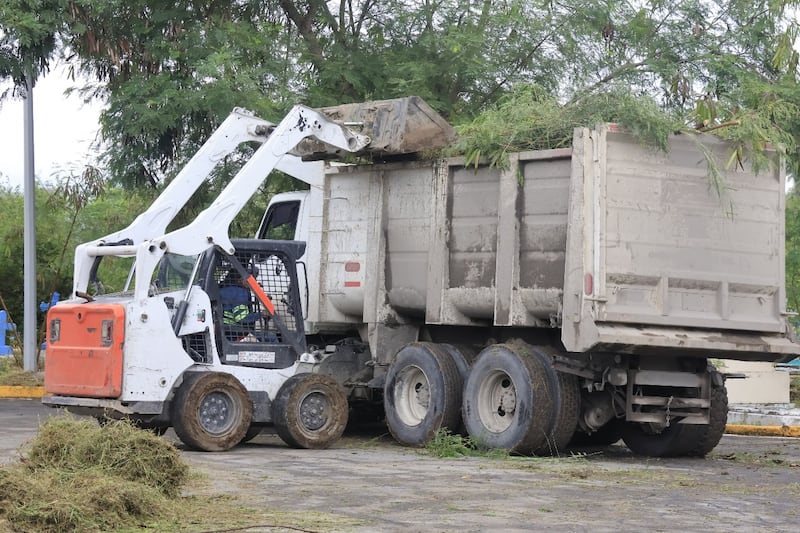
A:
211,226
239,127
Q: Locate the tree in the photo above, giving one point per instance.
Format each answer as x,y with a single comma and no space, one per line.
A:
793,254
170,73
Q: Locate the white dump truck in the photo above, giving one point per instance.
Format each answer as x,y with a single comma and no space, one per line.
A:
578,295
582,289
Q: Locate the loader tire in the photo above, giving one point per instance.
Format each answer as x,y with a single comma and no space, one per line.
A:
509,399
158,431
310,411
422,393
211,411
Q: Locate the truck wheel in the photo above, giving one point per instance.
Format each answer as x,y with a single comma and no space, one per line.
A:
700,440
567,411
605,436
310,411
252,432
508,399
422,393
680,440
652,441
211,411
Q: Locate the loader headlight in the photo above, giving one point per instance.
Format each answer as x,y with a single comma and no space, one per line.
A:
106,332
55,330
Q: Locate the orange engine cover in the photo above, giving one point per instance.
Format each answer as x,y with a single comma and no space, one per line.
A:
84,350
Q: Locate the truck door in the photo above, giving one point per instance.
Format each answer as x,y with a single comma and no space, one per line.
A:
280,221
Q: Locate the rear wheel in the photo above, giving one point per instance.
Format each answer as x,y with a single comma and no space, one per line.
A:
605,436
156,430
681,439
422,393
509,399
700,440
211,411
310,411
566,413
252,432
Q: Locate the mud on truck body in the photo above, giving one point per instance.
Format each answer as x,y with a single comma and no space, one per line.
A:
578,295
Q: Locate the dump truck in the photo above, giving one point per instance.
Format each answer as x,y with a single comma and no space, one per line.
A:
577,295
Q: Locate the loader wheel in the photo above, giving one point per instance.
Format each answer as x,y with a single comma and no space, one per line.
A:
158,431
310,411
509,399
211,411
422,393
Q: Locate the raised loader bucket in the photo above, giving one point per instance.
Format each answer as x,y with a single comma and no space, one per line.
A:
398,126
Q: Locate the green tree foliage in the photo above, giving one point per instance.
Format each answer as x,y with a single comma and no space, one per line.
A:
54,269
793,254
170,73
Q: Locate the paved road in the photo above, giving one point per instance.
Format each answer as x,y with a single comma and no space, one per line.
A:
747,484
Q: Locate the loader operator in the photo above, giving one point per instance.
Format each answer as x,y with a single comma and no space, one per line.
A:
237,318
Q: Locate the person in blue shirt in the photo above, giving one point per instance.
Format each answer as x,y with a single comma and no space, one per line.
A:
237,314
238,317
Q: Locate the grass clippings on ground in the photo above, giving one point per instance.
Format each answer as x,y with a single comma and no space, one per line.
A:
79,476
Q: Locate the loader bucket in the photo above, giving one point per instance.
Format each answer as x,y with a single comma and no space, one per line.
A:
398,126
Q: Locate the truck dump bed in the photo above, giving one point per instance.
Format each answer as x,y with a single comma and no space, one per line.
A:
622,247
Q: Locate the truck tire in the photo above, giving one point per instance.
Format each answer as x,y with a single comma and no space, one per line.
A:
508,400
462,364
681,440
211,411
422,393
252,432
700,440
310,411
605,436
567,410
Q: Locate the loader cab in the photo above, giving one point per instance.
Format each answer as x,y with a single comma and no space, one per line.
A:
246,333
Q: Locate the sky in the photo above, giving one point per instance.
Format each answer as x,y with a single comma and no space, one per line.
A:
64,131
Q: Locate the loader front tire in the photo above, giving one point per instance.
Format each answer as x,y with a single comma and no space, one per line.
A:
211,411
310,411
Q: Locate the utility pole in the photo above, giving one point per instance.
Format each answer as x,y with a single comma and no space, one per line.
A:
29,349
